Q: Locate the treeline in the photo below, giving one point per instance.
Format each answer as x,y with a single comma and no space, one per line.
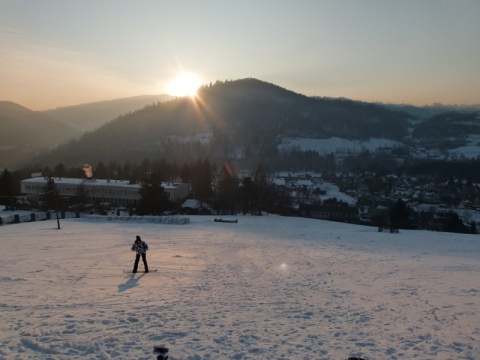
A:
219,186
444,170
393,162
402,216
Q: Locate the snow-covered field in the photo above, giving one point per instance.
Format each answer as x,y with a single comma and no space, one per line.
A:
266,287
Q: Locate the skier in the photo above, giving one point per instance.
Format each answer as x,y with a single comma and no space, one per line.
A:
140,247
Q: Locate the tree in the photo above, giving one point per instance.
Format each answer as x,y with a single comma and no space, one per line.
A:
113,170
81,196
144,168
60,170
264,189
258,192
127,173
202,178
455,224
100,171
7,192
399,215
153,198
50,194
473,227
227,190
248,195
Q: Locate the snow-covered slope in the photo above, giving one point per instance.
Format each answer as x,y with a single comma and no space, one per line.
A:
267,287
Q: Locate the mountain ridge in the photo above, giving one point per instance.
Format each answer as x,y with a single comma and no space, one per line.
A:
90,116
247,121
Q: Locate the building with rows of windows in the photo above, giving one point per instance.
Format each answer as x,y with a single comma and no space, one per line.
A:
114,192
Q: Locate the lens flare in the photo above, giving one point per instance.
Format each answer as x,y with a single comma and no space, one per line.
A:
185,84
229,169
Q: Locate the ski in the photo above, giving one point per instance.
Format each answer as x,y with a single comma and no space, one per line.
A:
138,271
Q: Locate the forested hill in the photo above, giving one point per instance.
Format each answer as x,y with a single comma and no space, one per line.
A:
253,105
24,133
242,119
448,130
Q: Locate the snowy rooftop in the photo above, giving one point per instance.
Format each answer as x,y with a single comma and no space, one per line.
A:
78,181
92,181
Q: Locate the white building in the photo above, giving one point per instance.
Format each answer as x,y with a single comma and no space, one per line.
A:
114,192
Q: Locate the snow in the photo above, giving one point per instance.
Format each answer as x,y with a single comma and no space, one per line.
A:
471,150
334,144
267,287
333,192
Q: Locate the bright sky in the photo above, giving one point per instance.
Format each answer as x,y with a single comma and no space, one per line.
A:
57,53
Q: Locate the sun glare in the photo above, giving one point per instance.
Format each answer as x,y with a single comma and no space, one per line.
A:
184,85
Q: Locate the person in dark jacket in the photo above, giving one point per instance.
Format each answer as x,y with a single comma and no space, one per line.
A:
140,247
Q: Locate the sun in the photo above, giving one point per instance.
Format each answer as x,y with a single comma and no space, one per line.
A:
185,84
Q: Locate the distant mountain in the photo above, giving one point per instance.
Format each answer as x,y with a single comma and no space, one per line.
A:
91,116
428,111
24,133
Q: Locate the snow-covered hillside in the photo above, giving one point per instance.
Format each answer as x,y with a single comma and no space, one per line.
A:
342,147
334,144
267,287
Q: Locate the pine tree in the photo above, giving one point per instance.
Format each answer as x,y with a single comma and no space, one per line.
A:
202,180
7,192
50,194
399,215
153,198
248,195
227,190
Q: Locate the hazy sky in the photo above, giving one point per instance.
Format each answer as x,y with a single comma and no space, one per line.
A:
57,53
